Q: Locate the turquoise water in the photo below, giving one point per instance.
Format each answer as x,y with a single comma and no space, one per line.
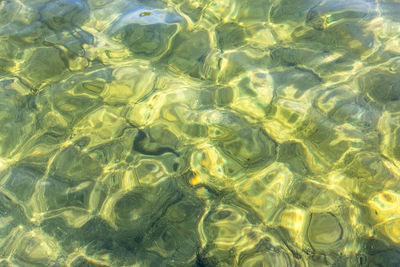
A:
199,133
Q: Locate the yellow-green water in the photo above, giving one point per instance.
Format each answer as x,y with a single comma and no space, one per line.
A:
199,133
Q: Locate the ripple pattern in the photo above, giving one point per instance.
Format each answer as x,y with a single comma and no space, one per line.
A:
199,133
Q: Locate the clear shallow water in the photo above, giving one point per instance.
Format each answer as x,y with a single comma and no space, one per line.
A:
199,133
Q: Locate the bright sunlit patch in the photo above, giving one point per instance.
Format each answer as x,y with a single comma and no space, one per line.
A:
195,180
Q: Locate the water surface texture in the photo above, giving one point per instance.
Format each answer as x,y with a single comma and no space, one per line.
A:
200,133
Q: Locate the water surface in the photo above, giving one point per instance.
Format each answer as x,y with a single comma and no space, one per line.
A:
199,133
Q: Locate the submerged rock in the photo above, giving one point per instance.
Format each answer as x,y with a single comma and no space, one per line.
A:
325,232
145,15
64,14
146,31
